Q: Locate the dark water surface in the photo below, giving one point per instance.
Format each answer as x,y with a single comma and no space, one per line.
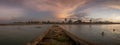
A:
93,33
20,35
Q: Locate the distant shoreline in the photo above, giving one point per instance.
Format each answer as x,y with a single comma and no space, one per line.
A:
62,24
17,24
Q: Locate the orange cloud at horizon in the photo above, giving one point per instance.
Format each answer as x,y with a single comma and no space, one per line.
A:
61,15
114,6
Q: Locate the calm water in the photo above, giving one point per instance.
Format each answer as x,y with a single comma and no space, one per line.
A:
92,33
20,35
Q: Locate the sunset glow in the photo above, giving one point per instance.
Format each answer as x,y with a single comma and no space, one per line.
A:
62,16
37,9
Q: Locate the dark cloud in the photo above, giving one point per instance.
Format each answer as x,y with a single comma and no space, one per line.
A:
11,2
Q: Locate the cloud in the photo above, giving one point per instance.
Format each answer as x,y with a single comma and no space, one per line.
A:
60,8
114,17
114,6
11,2
54,8
8,13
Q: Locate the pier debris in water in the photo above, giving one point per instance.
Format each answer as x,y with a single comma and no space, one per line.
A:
56,36
114,30
102,33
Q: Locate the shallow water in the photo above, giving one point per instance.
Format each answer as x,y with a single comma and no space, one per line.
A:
20,35
93,33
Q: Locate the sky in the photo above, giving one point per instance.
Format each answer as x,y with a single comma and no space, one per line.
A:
41,10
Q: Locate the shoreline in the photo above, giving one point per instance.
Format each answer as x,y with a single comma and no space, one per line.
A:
51,24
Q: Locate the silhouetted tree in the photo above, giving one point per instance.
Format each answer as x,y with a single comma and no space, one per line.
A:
70,21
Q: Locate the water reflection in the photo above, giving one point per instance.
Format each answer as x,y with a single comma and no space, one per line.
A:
99,34
19,35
